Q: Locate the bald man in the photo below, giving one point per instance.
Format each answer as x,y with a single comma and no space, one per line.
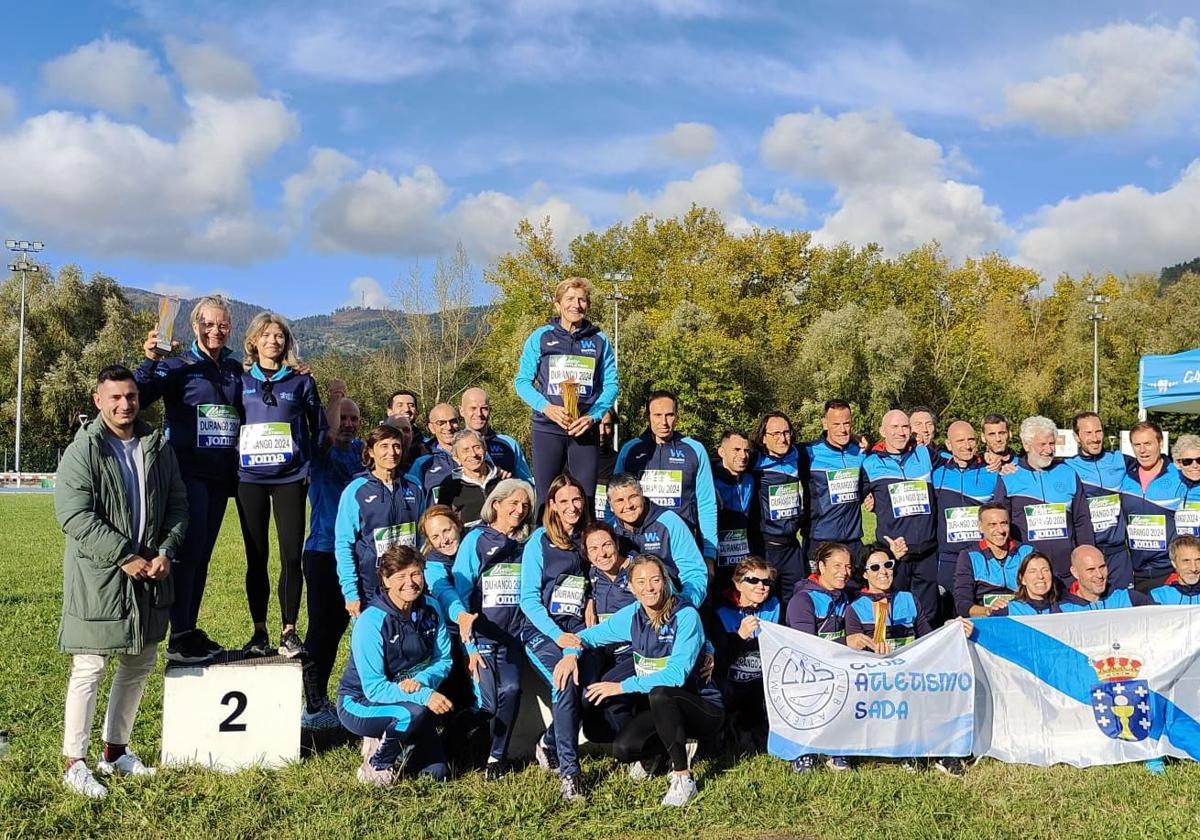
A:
431,470
960,485
503,450
899,479
1090,590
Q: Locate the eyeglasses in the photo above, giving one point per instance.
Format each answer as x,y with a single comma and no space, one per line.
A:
887,564
757,581
268,393
786,433
209,326
1188,462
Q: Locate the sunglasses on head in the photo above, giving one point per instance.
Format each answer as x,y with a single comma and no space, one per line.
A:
1187,462
268,393
886,564
757,581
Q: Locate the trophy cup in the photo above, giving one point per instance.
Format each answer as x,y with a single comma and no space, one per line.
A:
168,308
570,395
881,621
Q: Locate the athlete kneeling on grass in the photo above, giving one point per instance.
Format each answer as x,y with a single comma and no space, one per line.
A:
399,655
553,589
487,582
666,636
739,667
892,620
442,531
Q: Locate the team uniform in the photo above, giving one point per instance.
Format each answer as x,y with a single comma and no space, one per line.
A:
1150,515
282,426
1029,606
1102,477
554,585
1187,515
506,453
902,617
676,475
487,582
1048,510
739,665
614,662
202,402
431,469
372,517
833,506
818,611
388,646
981,578
1175,592
905,506
735,501
777,517
1113,599
662,533
959,492
551,356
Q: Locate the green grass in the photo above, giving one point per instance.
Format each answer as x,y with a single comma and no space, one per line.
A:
319,798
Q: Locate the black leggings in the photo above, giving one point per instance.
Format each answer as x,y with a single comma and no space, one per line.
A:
555,453
327,622
254,503
674,714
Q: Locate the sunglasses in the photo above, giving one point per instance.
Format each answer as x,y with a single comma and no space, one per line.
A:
757,581
1187,462
268,393
887,564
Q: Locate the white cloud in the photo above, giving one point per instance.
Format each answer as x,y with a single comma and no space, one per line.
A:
325,170
718,186
8,104
204,68
378,213
689,141
1117,76
113,188
112,76
367,292
891,186
1127,230
179,290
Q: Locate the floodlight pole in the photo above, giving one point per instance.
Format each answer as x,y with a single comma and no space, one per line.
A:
24,248
616,278
1096,317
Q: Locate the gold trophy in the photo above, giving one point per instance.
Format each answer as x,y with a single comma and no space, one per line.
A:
569,389
881,617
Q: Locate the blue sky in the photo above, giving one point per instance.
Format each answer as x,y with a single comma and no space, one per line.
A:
301,156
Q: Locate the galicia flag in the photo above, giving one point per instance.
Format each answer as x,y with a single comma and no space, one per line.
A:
1085,688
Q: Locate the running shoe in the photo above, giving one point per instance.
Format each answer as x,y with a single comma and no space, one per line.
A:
680,791
259,644
838,762
572,789
1156,766
80,779
127,765
290,645
804,764
547,757
642,770
188,648
951,767
325,717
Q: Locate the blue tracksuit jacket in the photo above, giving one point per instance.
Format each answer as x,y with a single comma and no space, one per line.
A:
833,480
371,518
959,491
677,476
666,536
1048,510
1102,477
278,441
904,500
553,355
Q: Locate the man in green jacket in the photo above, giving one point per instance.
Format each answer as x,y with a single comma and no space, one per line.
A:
122,504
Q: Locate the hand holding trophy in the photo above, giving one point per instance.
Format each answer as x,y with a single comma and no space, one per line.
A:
570,396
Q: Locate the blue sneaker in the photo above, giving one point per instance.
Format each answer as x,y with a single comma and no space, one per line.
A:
1156,766
839,763
804,764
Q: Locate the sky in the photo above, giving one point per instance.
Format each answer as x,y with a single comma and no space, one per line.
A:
304,157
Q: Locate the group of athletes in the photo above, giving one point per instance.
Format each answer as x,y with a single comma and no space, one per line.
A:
634,582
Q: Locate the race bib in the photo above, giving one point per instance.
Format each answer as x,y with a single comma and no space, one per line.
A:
732,547
217,426
580,368
645,665
265,443
393,535
783,500
909,498
834,636
409,673
601,501
996,599
1105,511
962,524
1187,520
1046,521
747,667
502,585
1147,532
567,596
663,487
843,486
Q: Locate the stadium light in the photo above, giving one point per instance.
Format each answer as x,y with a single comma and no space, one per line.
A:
23,247
1096,317
617,278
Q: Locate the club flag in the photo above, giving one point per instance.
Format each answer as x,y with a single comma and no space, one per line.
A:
824,698
1085,688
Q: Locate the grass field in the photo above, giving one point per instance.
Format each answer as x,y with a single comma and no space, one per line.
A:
319,798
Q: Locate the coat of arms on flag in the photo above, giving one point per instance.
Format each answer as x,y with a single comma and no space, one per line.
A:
1120,700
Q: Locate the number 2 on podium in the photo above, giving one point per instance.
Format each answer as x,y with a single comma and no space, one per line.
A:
230,724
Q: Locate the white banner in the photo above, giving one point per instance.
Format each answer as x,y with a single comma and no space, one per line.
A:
1097,687
823,697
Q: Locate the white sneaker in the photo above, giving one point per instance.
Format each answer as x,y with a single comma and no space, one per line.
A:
369,746
368,775
681,790
80,779
640,771
127,765
323,718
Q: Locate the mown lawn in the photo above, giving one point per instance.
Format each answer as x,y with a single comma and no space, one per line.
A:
319,798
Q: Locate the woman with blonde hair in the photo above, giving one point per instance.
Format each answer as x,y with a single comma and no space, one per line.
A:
201,390
282,424
568,376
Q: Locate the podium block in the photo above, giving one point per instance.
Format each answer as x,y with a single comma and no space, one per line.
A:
233,715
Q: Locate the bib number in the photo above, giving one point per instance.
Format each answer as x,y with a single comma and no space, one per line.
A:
746,668
502,585
217,426
1046,522
843,486
663,487
601,501
962,524
1105,511
997,599
732,547
1147,532
580,368
783,500
265,443
645,665
393,535
909,498
567,596
1187,519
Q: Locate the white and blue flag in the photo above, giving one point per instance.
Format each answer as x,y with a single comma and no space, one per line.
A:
1085,688
824,698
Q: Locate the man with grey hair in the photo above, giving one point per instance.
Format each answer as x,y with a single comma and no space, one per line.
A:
473,478
1045,498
